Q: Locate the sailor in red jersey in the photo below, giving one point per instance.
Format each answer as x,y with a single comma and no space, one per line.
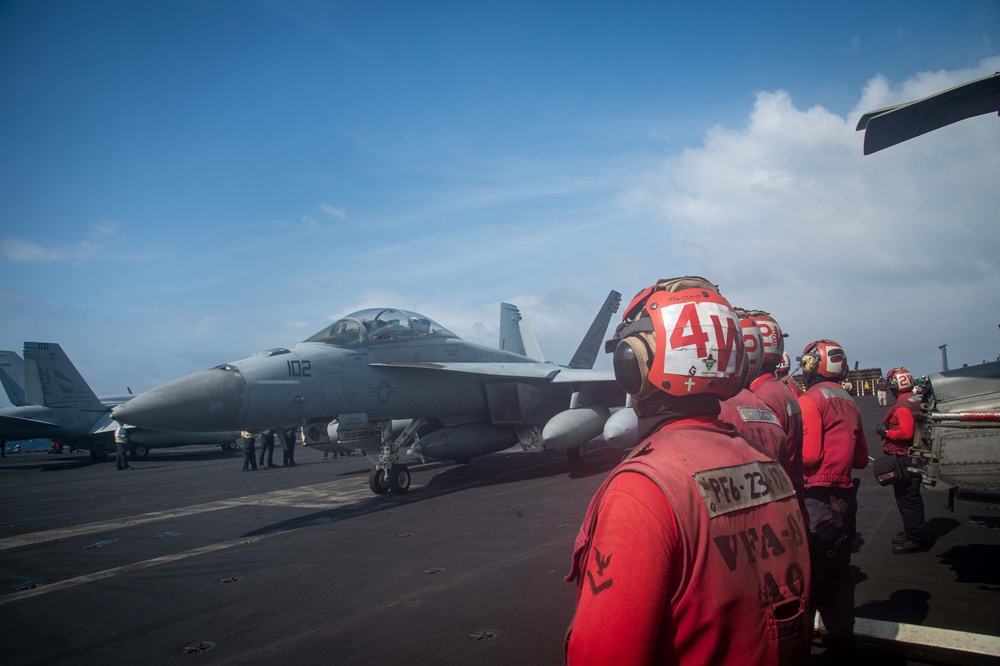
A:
694,550
754,420
778,396
896,431
833,443
782,373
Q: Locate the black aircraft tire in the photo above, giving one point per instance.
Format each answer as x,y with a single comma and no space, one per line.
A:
377,481
399,479
99,454
577,454
138,452
229,446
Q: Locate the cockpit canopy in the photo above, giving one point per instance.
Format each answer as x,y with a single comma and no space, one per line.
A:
379,326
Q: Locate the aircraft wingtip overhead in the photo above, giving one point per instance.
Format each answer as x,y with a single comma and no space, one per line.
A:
896,124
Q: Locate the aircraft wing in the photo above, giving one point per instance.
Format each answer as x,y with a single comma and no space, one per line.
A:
23,427
22,422
545,372
895,124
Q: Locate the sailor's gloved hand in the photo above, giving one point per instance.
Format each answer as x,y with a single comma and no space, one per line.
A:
881,429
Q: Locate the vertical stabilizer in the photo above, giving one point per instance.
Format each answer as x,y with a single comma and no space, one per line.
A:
590,346
12,377
60,382
516,335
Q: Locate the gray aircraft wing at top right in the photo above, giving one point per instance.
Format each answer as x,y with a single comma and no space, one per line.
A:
895,124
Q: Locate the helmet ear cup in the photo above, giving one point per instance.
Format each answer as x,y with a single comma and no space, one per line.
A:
632,359
810,362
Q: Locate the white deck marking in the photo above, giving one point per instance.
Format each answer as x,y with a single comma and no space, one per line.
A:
108,573
960,641
321,496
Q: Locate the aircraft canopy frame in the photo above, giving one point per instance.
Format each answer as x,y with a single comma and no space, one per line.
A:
380,326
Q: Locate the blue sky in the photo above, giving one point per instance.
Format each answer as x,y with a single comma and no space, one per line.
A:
185,183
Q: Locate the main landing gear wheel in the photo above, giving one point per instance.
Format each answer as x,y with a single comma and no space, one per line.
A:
377,481
139,451
100,454
399,479
576,455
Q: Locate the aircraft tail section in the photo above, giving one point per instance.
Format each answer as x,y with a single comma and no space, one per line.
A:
590,346
59,382
12,377
516,335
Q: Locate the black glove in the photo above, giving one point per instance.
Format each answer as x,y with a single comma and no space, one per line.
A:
881,429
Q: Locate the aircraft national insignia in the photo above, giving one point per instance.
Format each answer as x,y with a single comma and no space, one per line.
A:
383,392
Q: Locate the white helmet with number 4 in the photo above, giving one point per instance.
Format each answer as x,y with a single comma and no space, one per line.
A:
681,337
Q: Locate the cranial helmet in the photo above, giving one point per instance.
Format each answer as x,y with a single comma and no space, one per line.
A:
825,358
785,366
774,339
753,343
679,336
899,380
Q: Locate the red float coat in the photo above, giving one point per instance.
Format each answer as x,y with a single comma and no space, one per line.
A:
782,400
899,424
693,551
833,437
757,424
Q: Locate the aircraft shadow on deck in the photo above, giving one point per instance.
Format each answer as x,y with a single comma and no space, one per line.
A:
476,475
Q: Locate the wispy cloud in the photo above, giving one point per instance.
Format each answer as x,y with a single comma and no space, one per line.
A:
23,251
93,246
333,211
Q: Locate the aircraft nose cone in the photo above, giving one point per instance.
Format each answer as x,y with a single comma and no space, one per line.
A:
210,400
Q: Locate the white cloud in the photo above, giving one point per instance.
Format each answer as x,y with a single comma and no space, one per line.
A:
893,252
333,211
93,247
21,250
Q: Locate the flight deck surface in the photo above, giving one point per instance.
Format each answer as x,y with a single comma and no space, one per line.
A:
186,559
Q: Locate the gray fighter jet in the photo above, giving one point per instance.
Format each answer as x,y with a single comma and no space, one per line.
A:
57,404
895,124
382,379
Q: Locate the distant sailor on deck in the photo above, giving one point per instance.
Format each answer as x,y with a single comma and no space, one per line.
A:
121,448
